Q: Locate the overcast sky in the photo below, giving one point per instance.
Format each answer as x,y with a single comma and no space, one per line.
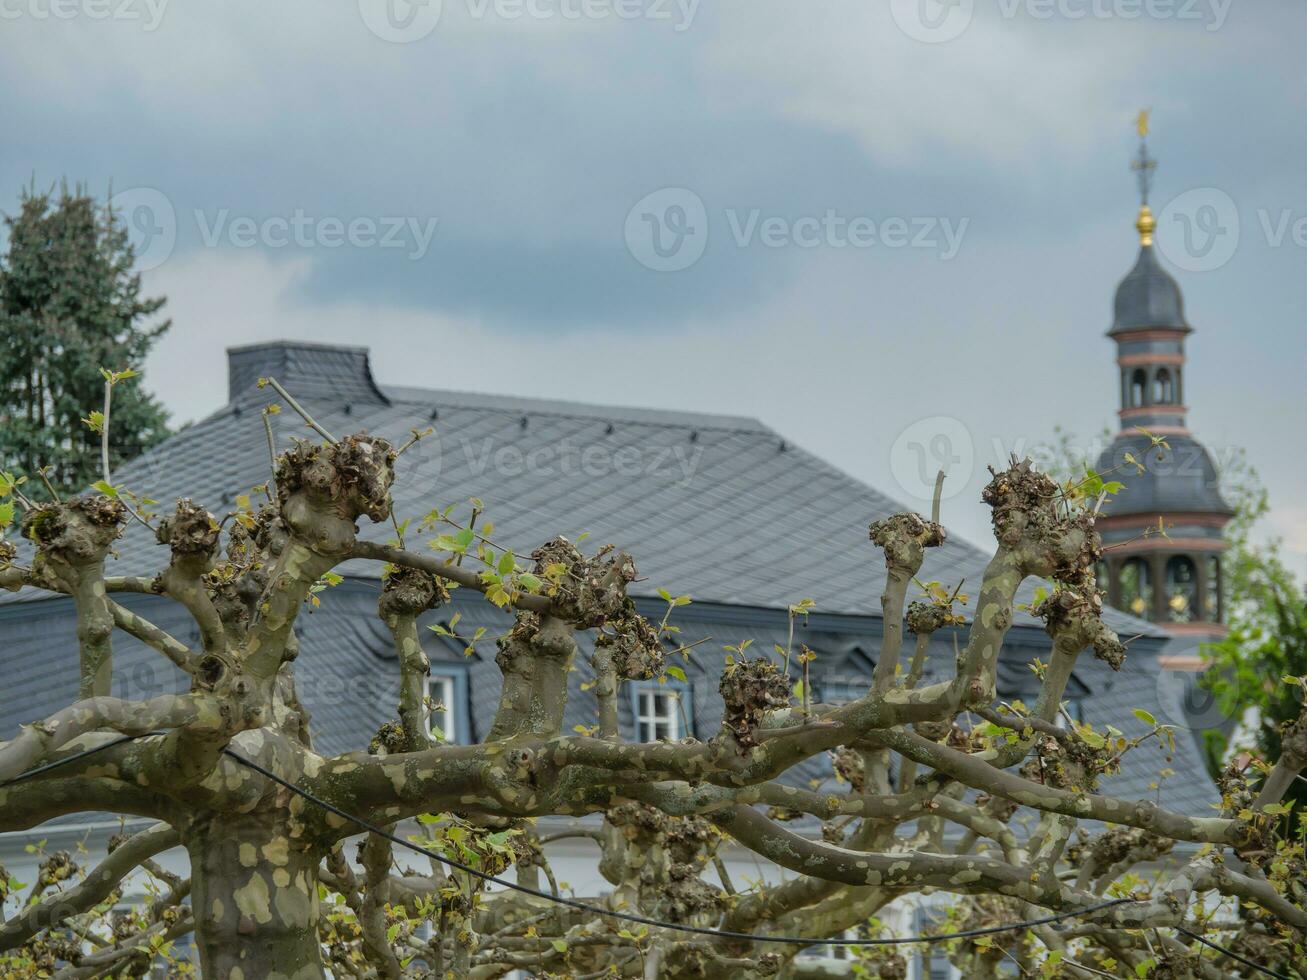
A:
891,230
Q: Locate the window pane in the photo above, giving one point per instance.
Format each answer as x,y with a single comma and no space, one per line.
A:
1138,385
1163,393
657,715
1181,589
440,690
1212,599
1137,588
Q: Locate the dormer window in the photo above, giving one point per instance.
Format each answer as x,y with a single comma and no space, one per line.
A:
661,711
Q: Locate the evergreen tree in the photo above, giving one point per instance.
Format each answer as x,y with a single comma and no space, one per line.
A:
69,305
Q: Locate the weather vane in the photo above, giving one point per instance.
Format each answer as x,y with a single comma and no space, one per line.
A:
1144,166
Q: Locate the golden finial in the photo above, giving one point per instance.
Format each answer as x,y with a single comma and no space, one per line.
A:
1146,224
1144,165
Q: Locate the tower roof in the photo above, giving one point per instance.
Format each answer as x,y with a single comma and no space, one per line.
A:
1178,477
1148,298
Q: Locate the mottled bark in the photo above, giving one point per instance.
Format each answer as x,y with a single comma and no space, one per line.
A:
255,894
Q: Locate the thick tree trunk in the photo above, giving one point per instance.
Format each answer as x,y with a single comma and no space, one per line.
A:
254,889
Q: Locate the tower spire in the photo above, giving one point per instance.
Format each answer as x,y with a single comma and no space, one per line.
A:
1144,166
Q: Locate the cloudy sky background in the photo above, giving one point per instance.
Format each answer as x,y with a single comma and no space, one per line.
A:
529,135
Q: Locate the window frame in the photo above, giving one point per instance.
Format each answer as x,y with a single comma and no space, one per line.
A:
1184,599
1163,387
681,700
1143,591
1139,389
458,715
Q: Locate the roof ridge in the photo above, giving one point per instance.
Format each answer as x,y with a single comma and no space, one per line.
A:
564,408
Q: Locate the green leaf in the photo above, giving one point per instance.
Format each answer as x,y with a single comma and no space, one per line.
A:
1092,738
560,945
464,538
529,582
105,488
506,563
6,513
678,673
1145,717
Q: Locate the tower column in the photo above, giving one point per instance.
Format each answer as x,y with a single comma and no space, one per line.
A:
1161,602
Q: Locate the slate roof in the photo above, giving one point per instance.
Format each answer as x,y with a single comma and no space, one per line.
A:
1178,478
1148,297
717,507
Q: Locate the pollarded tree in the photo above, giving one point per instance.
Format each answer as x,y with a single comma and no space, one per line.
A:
229,772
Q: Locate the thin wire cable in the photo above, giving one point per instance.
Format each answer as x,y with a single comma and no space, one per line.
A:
1233,955
627,916
640,919
60,763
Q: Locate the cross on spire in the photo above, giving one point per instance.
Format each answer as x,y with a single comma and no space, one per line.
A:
1143,165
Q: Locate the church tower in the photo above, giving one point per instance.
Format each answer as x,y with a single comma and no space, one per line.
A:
1162,534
